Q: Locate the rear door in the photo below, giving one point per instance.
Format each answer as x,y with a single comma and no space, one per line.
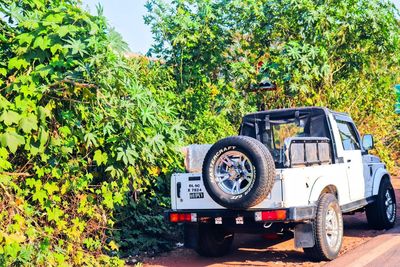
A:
188,193
349,152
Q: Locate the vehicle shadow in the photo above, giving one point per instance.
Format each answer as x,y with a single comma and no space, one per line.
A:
255,250
247,250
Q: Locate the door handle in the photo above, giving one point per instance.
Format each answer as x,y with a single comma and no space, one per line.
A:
349,160
178,189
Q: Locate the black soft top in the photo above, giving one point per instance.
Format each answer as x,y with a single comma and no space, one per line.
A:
288,112
317,123
260,124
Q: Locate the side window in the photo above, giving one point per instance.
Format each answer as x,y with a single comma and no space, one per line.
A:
348,136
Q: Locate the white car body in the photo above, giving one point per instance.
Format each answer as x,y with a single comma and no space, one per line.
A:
319,157
354,179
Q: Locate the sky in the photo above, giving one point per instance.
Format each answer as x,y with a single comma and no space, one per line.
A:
127,18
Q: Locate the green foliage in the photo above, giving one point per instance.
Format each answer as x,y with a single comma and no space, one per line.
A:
339,54
141,223
79,133
194,39
143,227
398,99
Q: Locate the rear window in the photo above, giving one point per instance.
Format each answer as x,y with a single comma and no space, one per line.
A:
283,131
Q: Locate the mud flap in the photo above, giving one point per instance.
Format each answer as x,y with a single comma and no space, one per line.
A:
191,235
304,235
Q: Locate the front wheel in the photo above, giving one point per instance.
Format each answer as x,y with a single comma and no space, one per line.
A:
328,230
214,241
381,214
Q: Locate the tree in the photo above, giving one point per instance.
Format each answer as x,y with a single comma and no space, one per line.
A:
340,54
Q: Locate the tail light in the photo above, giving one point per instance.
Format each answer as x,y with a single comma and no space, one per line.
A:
270,215
182,217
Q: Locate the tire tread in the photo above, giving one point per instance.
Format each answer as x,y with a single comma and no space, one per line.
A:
376,215
263,156
319,252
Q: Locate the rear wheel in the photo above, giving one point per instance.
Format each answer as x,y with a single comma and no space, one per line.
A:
328,230
381,214
214,241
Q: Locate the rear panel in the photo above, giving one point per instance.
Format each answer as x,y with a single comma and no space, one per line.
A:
188,193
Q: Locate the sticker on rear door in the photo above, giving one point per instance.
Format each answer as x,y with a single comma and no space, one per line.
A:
196,195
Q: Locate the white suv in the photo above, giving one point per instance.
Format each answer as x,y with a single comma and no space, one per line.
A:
288,170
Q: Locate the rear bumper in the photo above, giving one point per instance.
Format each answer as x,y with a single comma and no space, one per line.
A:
225,216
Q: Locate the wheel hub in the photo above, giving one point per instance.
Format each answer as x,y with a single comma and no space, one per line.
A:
234,172
390,206
331,227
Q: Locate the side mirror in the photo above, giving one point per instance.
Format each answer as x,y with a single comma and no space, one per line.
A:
368,142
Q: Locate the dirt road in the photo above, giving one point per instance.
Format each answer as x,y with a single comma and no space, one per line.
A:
254,250
383,251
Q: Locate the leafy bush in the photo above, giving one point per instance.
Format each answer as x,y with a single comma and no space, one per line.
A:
79,135
140,223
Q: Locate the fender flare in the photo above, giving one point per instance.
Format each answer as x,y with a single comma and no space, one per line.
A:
320,184
378,176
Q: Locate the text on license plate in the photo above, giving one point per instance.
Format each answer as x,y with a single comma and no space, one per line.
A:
196,195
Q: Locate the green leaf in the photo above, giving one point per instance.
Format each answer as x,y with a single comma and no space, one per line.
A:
25,38
17,63
51,188
42,42
44,113
54,214
90,139
40,195
4,103
3,153
108,199
62,31
77,47
44,70
43,137
55,48
10,117
28,123
100,158
5,179
53,19
3,38
3,72
30,182
5,164
11,140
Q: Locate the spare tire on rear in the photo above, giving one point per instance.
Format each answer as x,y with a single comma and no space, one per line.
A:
238,172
